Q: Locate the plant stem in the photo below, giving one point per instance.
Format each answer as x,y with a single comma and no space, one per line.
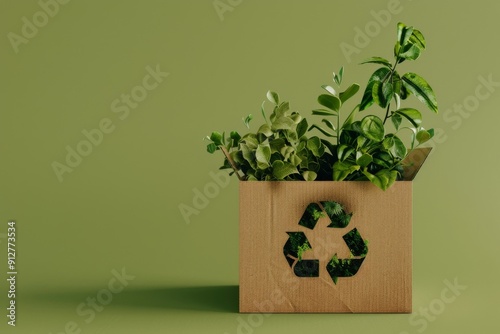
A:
390,80
338,128
387,113
231,162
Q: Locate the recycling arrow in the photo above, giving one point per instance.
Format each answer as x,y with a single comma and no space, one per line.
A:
295,246
298,243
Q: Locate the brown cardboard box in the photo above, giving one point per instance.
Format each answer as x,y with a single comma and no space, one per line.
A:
382,280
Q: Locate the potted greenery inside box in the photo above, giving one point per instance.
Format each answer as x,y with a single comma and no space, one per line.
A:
343,146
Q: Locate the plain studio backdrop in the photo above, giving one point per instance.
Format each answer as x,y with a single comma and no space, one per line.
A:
103,110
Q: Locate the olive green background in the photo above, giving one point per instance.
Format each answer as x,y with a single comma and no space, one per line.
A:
120,207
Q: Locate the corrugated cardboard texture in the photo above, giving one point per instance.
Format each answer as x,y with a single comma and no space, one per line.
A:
270,209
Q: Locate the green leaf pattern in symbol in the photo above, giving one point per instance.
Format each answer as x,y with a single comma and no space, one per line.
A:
297,243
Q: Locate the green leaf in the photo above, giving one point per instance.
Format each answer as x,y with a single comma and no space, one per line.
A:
383,159
247,120
251,140
305,160
276,144
362,142
424,135
404,92
336,79
372,128
382,93
410,52
295,116
263,111
342,169
262,166
237,157
418,39
396,83
273,97
323,112
295,160
263,154
329,101
413,115
398,100
282,123
401,27
331,147
328,124
399,148
309,175
291,135
378,60
266,130
235,138
367,99
383,178
396,120
216,137
286,152
301,146
404,33
302,128
349,92
211,148
329,89
363,159
282,109
234,135
315,145
421,89
378,75
344,152
388,142
283,169
389,175
341,74
323,131
248,155
397,47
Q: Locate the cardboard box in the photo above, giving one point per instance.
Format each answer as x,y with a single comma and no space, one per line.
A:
274,278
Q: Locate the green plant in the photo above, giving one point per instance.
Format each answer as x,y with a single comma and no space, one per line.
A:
279,150
302,249
365,149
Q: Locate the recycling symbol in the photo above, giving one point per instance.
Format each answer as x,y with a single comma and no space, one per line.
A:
297,243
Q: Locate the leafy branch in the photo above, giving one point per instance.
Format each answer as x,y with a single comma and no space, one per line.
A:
365,149
348,149
279,150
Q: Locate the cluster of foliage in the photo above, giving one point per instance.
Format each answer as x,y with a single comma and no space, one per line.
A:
279,150
350,149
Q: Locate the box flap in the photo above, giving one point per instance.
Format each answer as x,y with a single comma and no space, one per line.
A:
414,161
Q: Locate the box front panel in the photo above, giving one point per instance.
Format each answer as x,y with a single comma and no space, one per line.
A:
299,252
